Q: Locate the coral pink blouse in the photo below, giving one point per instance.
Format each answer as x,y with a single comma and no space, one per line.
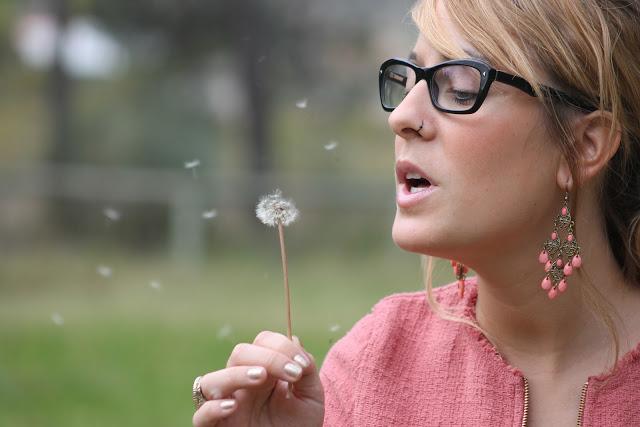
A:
403,365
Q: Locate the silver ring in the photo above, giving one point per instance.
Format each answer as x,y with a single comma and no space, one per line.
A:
196,394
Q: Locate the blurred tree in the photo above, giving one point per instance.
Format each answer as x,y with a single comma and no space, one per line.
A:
60,115
265,39
59,90
262,38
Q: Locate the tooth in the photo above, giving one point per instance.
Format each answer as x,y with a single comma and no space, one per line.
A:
413,176
416,189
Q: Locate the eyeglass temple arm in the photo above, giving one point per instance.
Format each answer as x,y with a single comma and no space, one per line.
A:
547,91
515,81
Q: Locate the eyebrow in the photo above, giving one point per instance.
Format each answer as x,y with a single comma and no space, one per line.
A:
413,56
474,54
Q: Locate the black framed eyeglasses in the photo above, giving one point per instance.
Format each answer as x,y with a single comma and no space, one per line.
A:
458,86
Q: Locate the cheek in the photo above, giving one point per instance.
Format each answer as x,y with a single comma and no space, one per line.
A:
502,171
509,155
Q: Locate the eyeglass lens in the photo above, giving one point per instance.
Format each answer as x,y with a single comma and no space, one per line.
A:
453,87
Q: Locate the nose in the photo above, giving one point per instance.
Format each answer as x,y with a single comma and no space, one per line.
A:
414,110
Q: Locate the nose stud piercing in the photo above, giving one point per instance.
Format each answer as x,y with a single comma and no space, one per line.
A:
421,126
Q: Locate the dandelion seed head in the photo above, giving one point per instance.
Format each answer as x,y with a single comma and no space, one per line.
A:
57,319
154,284
302,104
111,214
192,164
334,328
210,214
331,145
273,209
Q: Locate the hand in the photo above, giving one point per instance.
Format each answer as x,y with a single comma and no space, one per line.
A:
253,390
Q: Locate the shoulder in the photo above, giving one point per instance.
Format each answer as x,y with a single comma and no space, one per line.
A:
396,320
386,344
404,316
415,303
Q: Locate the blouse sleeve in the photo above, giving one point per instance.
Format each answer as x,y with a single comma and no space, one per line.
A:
340,373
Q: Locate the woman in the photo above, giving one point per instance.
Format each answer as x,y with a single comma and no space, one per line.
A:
520,159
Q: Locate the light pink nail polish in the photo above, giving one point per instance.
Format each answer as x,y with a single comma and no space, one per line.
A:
227,404
301,360
255,373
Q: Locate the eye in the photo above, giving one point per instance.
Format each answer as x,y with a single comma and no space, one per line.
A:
461,97
457,86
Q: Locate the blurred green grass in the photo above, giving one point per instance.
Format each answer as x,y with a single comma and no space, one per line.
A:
80,349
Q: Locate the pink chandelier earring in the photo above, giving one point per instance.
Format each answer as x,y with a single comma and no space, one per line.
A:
560,257
460,271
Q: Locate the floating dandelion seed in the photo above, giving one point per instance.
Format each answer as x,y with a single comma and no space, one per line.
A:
224,331
331,145
274,210
210,214
154,284
302,104
334,328
192,165
112,214
57,319
104,271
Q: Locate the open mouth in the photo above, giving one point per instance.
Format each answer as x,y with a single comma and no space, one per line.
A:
414,183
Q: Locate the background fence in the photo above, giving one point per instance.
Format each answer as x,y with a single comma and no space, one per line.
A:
136,139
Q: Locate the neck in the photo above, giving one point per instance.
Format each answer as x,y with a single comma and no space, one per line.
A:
525,325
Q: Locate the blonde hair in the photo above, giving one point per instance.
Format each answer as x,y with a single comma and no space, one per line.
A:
589,49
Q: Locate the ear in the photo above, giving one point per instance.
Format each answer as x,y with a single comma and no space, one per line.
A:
597,138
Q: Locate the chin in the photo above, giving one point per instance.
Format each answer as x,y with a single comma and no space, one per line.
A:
413,235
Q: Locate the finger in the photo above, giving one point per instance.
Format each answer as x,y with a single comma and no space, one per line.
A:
222,383
212,411
297,341
276,363
307,384
284,345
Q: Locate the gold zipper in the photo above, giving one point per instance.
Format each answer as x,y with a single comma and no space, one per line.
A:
583,400
525,411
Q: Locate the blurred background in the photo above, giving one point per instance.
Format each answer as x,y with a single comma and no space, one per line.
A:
136,139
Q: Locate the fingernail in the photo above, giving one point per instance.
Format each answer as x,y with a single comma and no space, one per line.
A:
301,360
227,404
293,369
255,373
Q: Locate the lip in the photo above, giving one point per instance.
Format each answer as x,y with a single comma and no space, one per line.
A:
404,198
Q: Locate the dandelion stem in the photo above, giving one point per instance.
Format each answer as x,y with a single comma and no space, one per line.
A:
285,271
